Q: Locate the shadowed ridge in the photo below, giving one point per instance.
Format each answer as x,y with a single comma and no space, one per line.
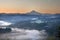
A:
33,12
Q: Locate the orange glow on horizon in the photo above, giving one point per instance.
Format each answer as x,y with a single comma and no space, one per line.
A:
27,10
24,6
13,11
49,11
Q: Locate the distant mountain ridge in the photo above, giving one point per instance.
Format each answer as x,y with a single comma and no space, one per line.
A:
33,12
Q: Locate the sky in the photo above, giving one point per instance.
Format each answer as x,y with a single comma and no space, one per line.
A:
22,6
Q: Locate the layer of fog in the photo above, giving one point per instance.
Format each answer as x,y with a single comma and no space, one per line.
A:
25,34
4,23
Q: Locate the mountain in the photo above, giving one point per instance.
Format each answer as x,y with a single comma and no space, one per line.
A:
33,12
